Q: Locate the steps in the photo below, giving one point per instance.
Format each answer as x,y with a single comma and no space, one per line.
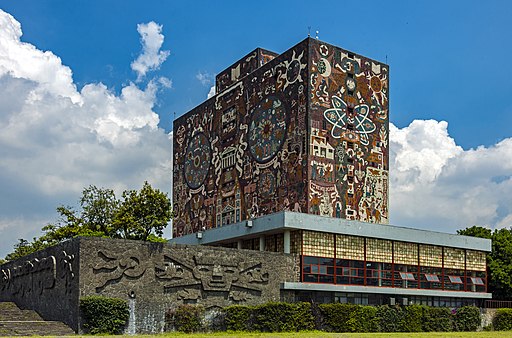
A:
17,322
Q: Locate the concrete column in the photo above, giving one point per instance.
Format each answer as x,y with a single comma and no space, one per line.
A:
239,244
262,243
287,241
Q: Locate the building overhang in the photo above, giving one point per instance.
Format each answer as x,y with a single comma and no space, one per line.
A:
383,290
288,220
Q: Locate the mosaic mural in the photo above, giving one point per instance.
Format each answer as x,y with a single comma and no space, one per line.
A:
348,145
244,153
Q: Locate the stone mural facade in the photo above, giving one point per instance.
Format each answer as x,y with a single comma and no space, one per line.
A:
305,131
46,281
153,277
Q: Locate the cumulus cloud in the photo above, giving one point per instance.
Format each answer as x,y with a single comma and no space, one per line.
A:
152,57
57,140
211,93
437,185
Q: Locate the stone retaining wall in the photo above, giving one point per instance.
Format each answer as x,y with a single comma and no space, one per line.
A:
152,277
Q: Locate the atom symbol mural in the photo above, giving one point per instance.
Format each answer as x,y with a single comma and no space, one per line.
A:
340,116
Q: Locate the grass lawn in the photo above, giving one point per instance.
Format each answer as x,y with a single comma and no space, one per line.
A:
497,334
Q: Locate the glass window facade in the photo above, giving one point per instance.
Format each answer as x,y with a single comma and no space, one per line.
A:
353,260
350,247
379,250
318,244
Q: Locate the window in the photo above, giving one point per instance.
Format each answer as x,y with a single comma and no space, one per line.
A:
455,279
477,281
432,278
407,276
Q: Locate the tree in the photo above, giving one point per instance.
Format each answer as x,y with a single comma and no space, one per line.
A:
143,213
138,215
24,247
499,261
476,231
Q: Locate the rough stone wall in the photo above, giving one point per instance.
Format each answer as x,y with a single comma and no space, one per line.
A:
156,277
45,281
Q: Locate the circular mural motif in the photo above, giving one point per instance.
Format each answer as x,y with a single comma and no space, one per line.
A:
197,160
267,129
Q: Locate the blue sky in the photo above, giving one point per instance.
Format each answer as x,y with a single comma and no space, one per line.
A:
449,71
448,59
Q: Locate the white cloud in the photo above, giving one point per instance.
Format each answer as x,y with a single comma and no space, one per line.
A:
57,140
205,78
437,185
211,93
152,57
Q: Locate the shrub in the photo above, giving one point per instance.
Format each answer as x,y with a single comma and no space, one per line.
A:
390,318
279,317
366,319
503,320
413,318
436,319
336,316
104,315
467,318
239,317
186,318
349,317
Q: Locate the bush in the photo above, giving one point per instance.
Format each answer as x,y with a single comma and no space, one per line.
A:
390,318
413,318
503,320
467,318
280,317
104,315
365,319
186,318
239,318
348,317
437,319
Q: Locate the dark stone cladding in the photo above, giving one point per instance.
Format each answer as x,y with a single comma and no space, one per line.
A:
45,281
152,277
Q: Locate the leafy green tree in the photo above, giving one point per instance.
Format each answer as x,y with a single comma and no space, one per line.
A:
499,261
500,264
476,231
143,213
24,247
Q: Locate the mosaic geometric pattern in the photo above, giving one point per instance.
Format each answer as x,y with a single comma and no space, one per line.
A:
305,131
267,129
197,161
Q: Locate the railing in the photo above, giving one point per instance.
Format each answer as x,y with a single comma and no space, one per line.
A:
497,304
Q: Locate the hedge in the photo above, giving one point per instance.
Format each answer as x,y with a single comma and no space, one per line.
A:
270,317
186,318
104,315
467,318
279,317
503,320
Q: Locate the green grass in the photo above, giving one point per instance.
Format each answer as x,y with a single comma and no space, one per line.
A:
493,334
